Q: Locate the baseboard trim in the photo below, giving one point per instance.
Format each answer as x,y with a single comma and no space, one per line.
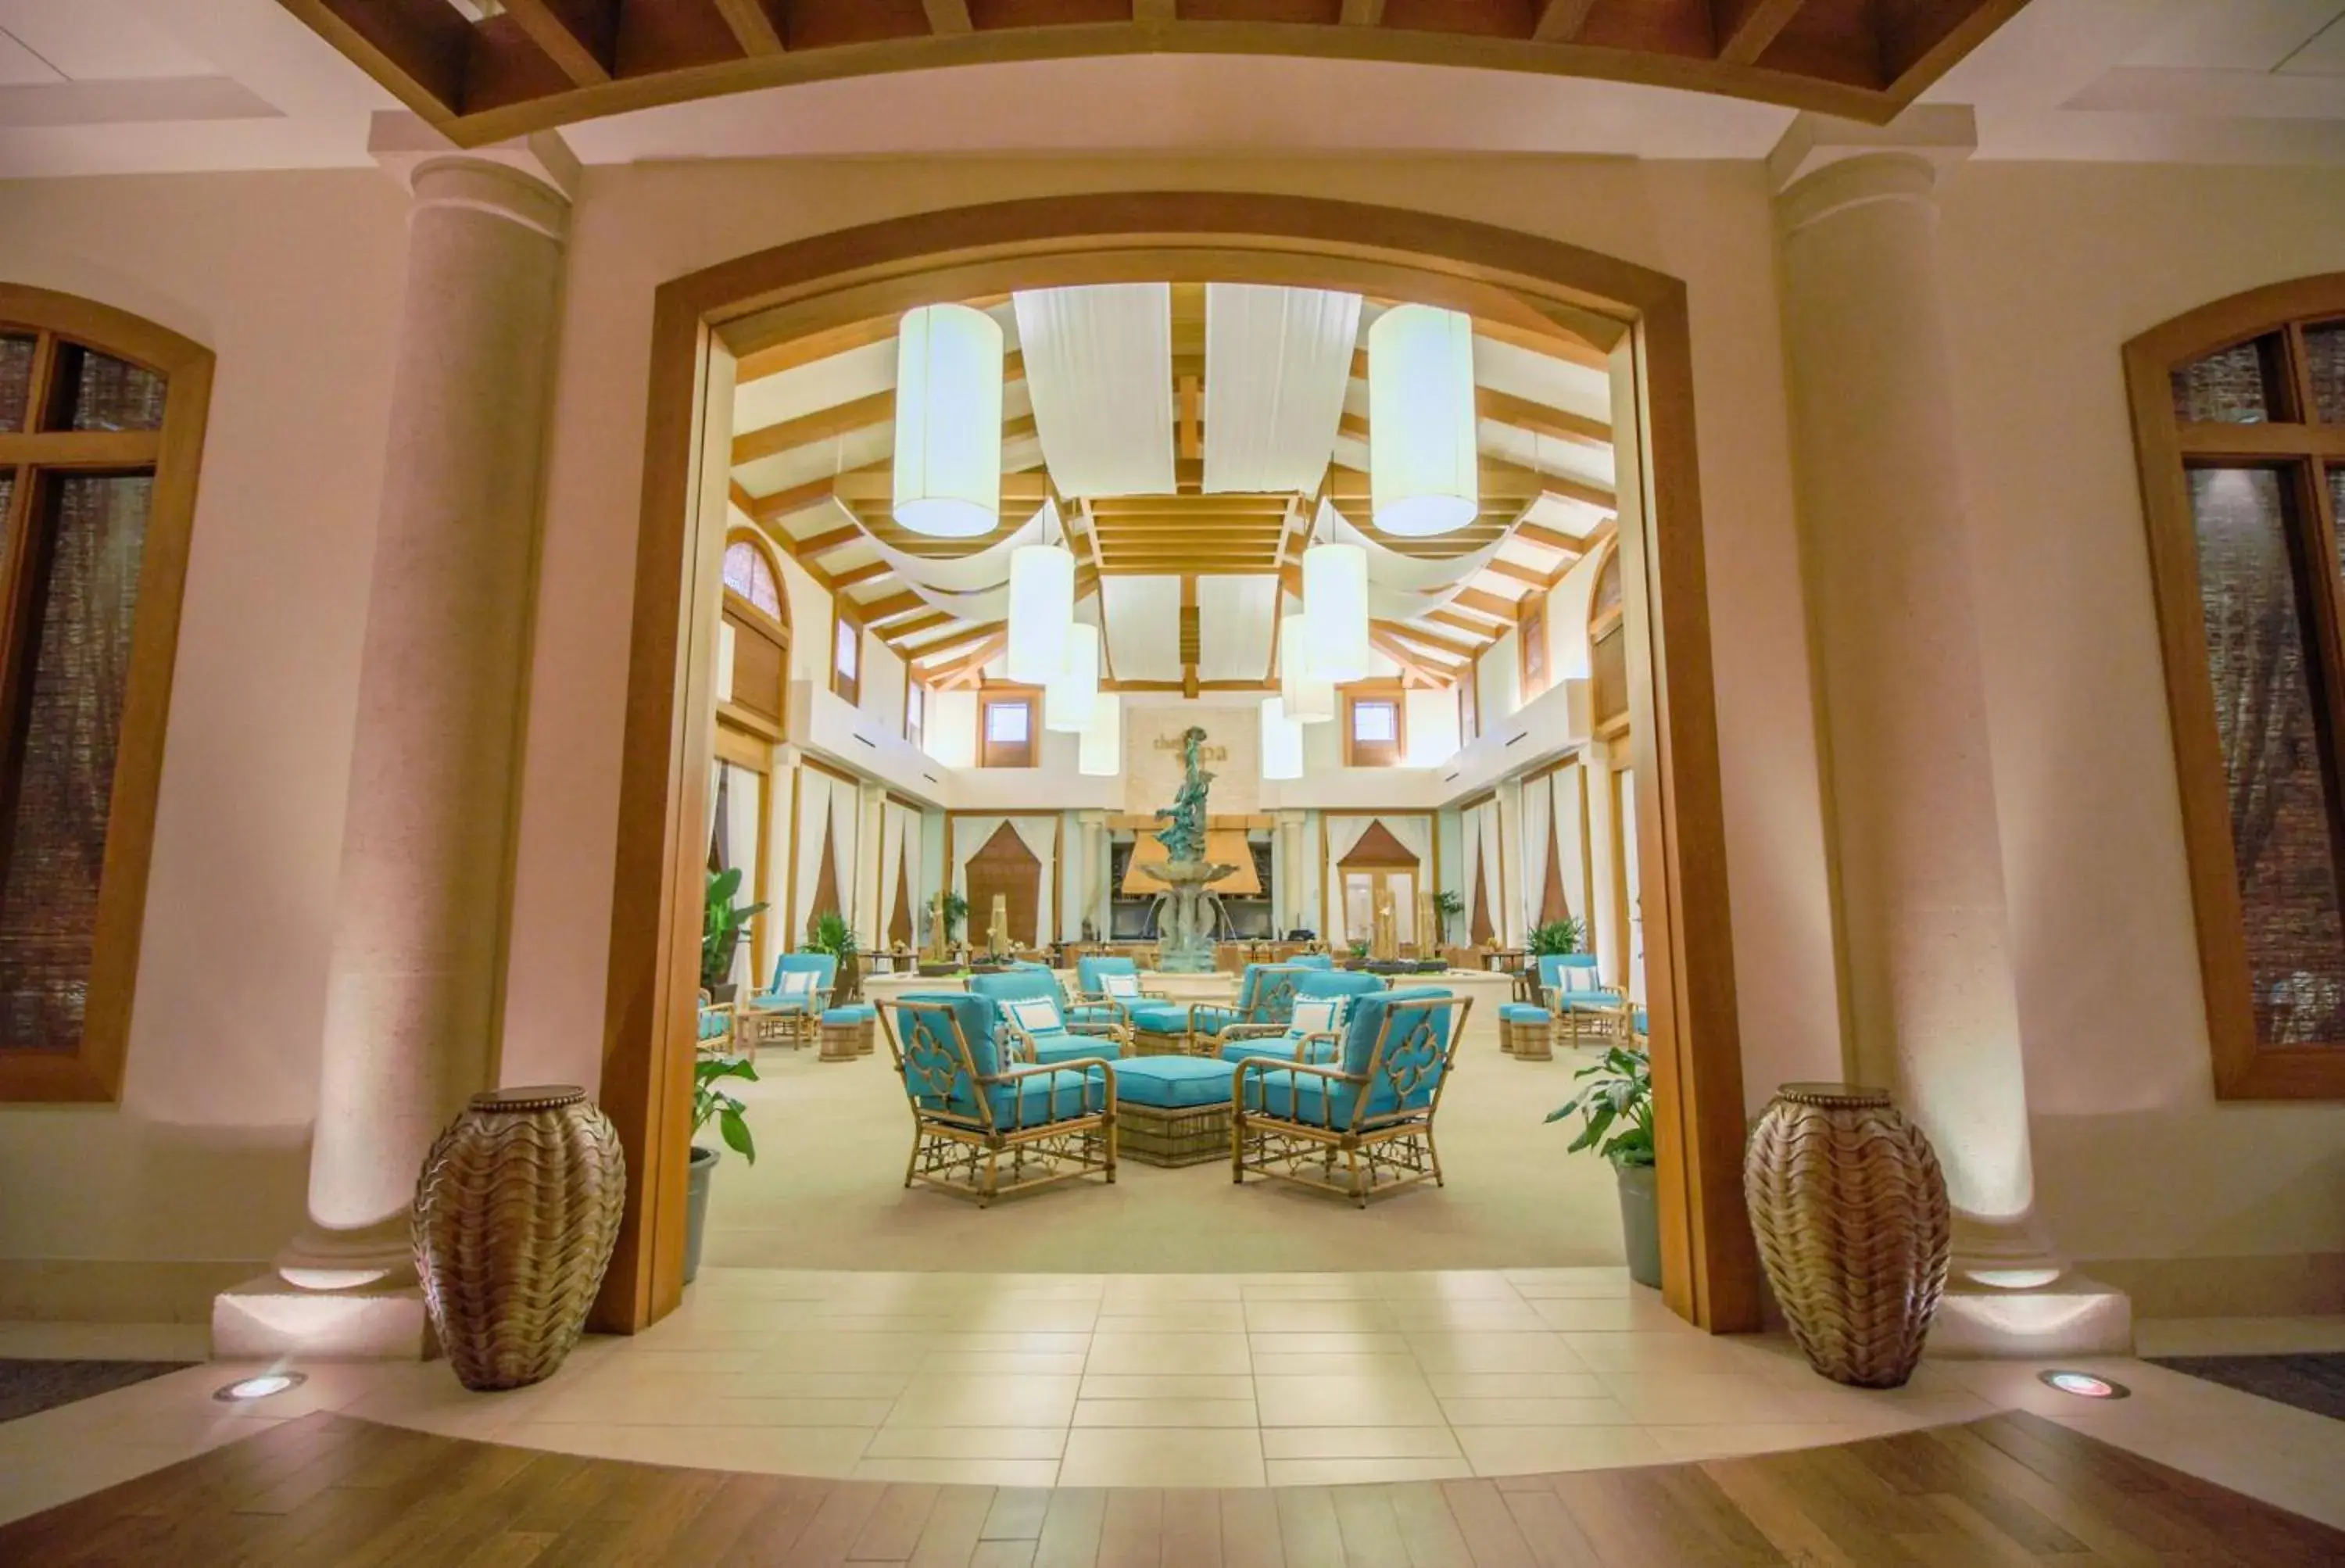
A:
116,1291
2286,1284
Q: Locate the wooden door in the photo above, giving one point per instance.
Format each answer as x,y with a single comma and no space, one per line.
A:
1005,866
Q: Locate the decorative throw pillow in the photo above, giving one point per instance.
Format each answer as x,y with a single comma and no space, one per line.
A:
1572,977
1119,987
1034,1014
795,982
1322,1017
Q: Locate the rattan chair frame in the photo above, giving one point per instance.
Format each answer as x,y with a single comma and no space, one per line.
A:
1381,1154
962,1153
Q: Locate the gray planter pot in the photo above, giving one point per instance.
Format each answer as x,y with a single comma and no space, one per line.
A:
1641,1223
698,1176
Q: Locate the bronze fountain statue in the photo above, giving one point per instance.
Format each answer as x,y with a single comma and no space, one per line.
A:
1186,945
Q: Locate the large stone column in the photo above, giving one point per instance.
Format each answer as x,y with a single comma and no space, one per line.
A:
411,1007
1932,1012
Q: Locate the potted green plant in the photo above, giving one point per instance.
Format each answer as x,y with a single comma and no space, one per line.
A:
1616,1115
1565,935
721,923
956,912
1448,904
711,1104
829,933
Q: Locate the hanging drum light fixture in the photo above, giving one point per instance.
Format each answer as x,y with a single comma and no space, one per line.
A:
1424,468
1069,697
1336,610
1041,607
1310,699
1100,754
949,423
1282,741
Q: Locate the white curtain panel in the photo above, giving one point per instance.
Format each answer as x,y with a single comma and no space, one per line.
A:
847,841
1099,367
1469,878
814,815
742,840
1416,835
891,854
1570,844
1538,826
1341,833
1493,826
1235,618
1277,362
916,835
1040,837
1142,621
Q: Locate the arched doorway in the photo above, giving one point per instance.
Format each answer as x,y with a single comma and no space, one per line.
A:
704,322
1004,868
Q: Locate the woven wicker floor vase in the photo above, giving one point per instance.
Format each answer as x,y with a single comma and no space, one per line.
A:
1849,1206
515,1215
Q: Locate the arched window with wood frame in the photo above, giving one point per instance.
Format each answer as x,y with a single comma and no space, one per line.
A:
2239,414
101,433
757,624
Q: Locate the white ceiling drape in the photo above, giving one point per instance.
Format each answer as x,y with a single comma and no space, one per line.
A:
975,587
1277,360
1403,587
1099,368
1538,826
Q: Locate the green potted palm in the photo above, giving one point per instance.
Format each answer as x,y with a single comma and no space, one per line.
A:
711,1103
721,923
1565,935
829,933
1616,1113
1448,904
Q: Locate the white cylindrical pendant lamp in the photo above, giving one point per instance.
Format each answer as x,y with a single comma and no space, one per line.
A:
1069,696
1425,475
1101,753
1336,610
1310,699
1041,607
1282,741
949,423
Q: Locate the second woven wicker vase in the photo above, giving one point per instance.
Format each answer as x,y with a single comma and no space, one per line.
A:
1849,1206
515,1215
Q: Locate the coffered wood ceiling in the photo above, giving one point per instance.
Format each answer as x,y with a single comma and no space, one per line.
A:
486,69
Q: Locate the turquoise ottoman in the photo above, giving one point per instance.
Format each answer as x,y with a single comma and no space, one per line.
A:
1172,1110
1525,1031
847,1031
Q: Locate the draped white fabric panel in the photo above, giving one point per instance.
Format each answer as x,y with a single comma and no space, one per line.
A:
973,588
1099,366
814,816
1403,587
1416,835
891,854
846,838
1277,360
1235,618
741,846
1470,878
1040,837
1142,616
1493,845
1342,833
1571,844
1538,829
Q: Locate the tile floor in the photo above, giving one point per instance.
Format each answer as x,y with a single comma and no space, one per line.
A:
1177,1380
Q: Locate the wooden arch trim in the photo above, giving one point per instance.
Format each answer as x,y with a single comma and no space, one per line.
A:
2243,1068
1537,286
93,1070
758,540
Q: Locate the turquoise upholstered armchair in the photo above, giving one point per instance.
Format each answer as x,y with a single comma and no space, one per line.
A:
1572,990
1108,989
1265,997
716,1026
985,1125
1360,1126
1033,1020
789,1009
1315,1012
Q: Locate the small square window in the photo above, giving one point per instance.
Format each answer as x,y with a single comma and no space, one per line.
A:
1375,723
1006,722
849,647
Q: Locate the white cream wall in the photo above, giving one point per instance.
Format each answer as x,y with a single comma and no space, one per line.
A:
2050,269
293,281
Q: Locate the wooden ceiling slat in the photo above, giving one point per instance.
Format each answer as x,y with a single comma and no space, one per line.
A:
756,28
1560,20
577,35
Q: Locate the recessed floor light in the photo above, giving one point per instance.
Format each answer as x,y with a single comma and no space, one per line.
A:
262,1387
2084,1384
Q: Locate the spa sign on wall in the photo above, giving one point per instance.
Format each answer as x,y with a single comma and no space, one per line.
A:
1232,751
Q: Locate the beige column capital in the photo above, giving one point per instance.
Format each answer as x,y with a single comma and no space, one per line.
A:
1938,135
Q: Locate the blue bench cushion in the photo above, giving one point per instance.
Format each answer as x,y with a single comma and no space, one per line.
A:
1044,1097
1300,1097
851,1012
1060,1046
1160,1017
1171,1082
1278,1048
1522,1012
1093,1013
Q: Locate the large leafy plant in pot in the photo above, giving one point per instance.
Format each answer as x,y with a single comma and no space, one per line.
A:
1565,935
1616,1112
829,933
712,1103
721,923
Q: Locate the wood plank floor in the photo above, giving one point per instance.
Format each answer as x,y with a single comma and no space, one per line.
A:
328,1490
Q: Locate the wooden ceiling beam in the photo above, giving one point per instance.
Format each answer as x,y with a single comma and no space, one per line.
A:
1481,601
831,539
948,16
1487,633
1530,575
1419,636
1540,418
855,576
580,37
1413,669
967,670
1548,539
756,25
888,608
857,414
1364,13
1745,27
1560,21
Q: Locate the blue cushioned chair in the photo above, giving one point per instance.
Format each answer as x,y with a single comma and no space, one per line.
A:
985,1125
1372,1108
1092,1004
1046,1034
715,1037
1572,990
1297,1042
1266,998
788,1011
1312,961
